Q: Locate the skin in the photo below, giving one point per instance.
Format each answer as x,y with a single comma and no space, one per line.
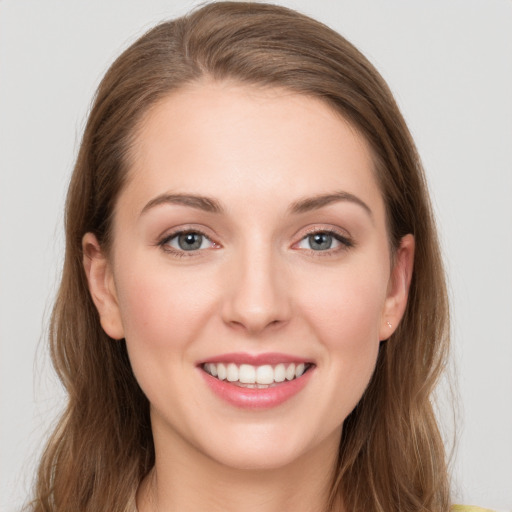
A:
256,285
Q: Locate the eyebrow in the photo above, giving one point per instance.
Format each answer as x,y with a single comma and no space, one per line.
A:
206,204
314,203
211,205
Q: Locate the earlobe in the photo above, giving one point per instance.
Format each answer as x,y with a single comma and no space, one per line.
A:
398,288
101,286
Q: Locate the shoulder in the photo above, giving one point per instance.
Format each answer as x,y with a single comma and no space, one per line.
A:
467,508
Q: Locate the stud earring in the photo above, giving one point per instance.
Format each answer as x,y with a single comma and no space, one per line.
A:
389,325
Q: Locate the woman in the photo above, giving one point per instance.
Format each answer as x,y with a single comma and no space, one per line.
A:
253,311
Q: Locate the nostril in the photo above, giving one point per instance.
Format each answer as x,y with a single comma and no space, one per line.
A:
255,322
256,296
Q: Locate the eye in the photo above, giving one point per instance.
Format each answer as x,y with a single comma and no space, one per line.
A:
187,241
324,241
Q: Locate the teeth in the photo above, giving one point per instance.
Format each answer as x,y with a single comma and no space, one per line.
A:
247,374
221,371
255,376
212,368
265,374
290,372
232,372
279,373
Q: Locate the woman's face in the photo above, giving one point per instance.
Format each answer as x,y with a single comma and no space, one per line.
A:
250,248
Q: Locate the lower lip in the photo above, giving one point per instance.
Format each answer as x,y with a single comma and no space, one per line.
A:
253,398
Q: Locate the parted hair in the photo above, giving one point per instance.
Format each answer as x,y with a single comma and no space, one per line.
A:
391,456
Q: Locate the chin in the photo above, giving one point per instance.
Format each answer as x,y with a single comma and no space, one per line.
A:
257,459
266,448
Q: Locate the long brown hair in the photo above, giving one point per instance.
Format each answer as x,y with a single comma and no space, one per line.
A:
391,456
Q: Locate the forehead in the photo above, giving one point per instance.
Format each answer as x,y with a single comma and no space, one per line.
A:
230,141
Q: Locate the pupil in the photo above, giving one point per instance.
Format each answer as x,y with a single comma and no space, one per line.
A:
320,241
190,241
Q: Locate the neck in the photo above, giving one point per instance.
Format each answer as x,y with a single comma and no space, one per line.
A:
184,480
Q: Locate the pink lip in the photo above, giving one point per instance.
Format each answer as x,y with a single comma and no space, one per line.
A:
251,398
255,359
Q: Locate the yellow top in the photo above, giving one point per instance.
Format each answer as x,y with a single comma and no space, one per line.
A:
466,508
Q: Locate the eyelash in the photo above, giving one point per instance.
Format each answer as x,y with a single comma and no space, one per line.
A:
346,242
164,243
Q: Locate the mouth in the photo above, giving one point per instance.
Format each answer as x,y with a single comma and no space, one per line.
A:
256,381
256,376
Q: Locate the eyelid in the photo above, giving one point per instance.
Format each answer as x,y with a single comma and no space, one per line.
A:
164,239
340,235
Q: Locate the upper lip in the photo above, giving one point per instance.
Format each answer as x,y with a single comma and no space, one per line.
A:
271,358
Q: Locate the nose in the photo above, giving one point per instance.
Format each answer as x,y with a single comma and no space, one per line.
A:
257,293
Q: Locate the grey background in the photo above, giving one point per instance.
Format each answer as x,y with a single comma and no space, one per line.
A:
449,63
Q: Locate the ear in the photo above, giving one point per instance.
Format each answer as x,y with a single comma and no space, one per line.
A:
398,287
101,286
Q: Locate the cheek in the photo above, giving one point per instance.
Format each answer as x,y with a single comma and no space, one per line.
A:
161,312
345,310
346,306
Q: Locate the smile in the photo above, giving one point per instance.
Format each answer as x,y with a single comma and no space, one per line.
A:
256,377
256,381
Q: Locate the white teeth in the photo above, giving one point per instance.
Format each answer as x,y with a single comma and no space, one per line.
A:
255,376
212,368
221,371
232,372
290,372
247,374
265,374
279,373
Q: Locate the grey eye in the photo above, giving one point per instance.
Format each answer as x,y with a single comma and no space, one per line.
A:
190,241
320,241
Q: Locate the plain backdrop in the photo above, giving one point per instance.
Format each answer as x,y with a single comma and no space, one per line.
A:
449,63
